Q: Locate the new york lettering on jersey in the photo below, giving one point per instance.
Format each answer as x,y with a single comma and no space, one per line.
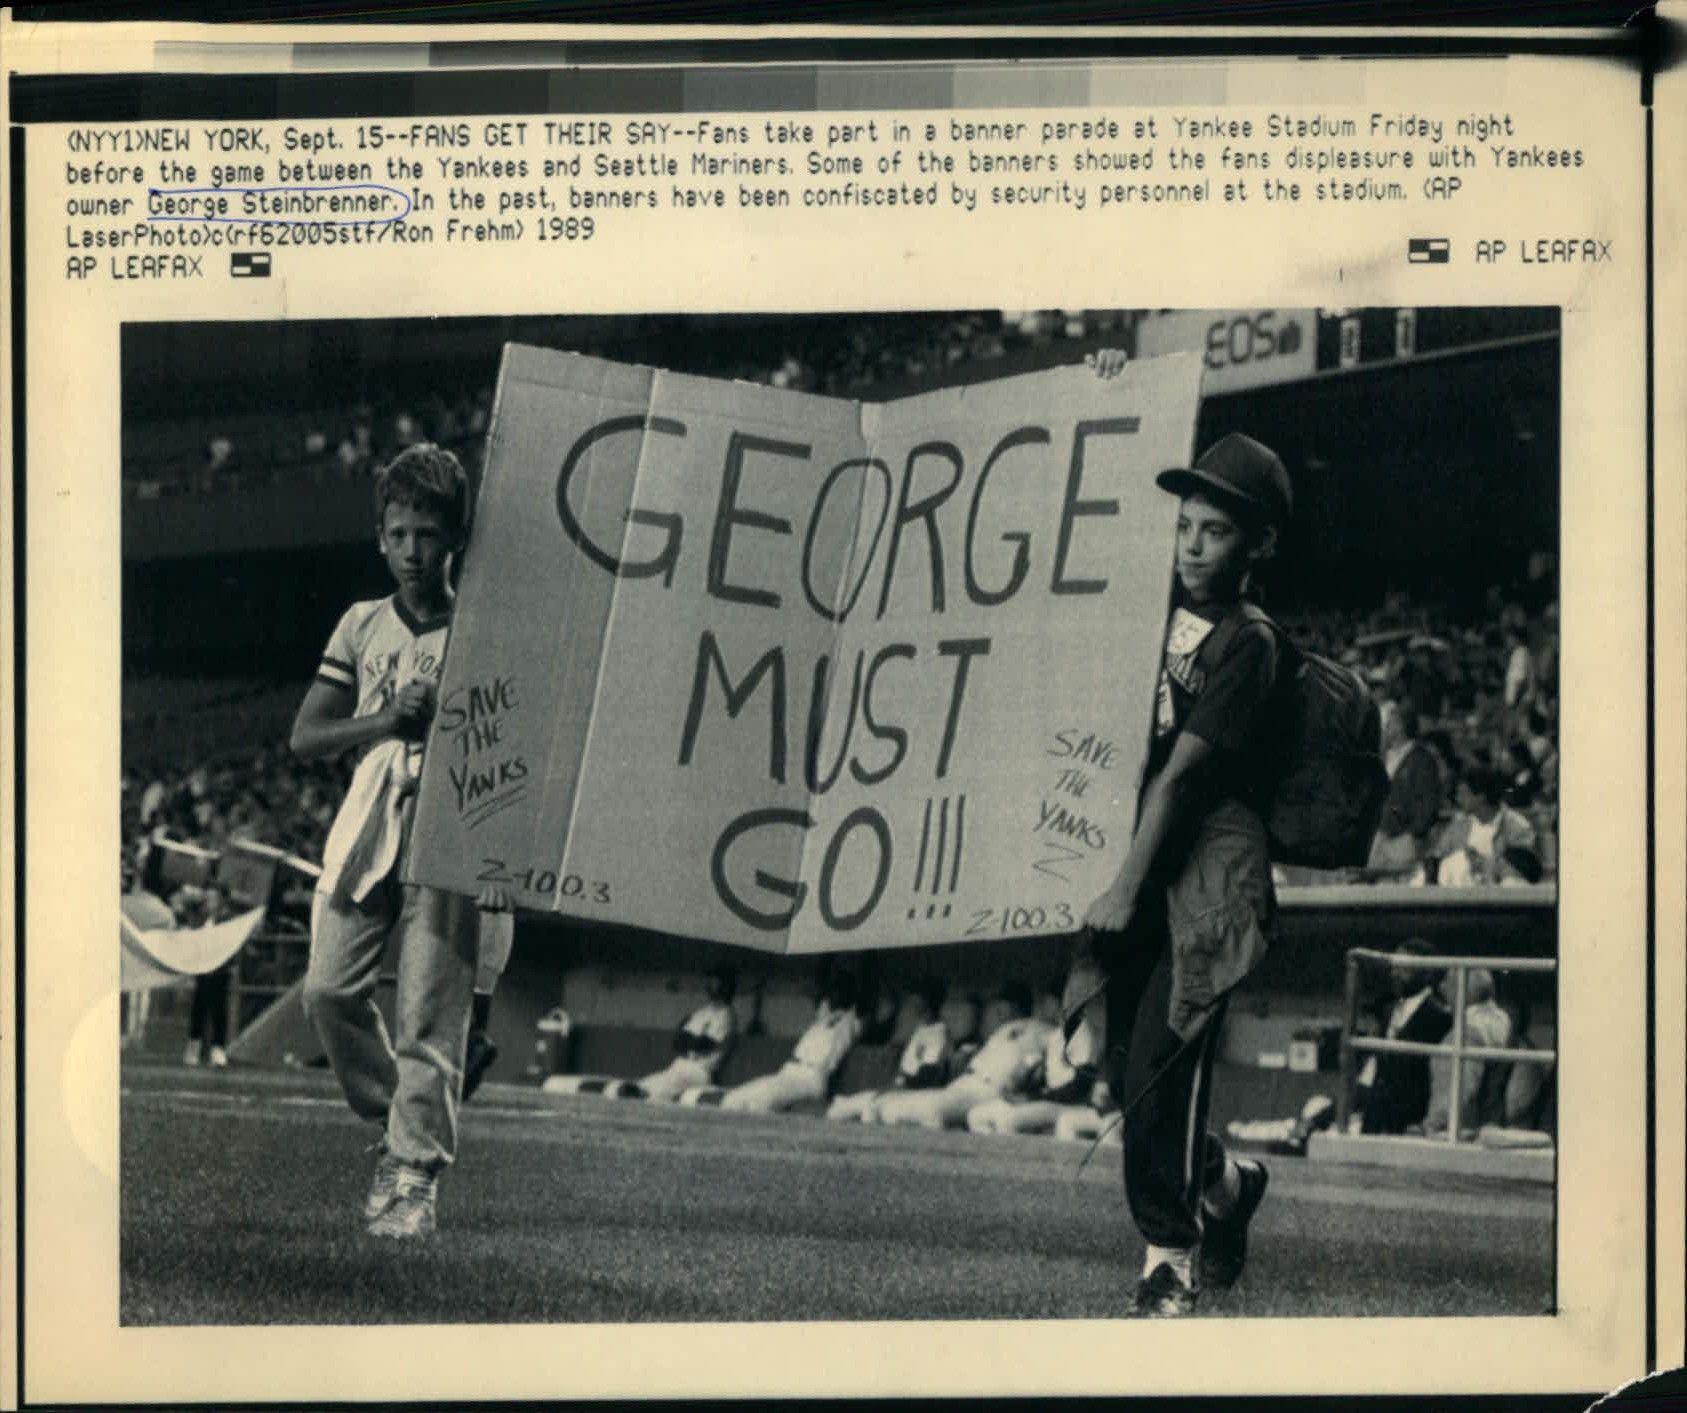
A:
378,647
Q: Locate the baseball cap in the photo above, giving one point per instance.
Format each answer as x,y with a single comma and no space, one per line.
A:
1236,468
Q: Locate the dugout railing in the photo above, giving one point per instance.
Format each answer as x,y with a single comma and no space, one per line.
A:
272,962
1354,1045
252,875
1511,919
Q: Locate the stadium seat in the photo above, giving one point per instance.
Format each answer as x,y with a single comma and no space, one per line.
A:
751,1056
625,1052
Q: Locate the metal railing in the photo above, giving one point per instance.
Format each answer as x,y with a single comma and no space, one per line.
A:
273,960
1353,1045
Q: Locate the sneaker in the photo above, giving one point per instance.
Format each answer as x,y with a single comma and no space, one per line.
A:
190,1056
1224,1244
1161,1294
383,1187
219,1058
482,1053
410,1214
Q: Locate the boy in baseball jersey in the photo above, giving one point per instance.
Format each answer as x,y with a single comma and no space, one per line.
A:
700,1044
1002,1065
1192,910
814,1060
375,693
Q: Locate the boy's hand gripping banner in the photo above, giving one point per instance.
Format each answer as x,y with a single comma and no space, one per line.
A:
803,674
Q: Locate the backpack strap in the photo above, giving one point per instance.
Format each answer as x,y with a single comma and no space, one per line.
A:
1224,633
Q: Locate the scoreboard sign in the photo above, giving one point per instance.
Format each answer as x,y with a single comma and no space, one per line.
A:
803,674
1239,348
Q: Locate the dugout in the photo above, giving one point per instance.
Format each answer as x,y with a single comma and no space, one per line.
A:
626,990
637,985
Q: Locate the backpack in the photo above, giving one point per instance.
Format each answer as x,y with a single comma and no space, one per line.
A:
1327,785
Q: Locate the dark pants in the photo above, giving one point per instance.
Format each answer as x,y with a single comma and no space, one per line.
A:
208,1021
1162,1083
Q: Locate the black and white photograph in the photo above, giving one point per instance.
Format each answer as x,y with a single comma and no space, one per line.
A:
975,814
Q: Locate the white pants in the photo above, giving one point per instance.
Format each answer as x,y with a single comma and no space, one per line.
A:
855,1108
935,1108
413,1087
1005,1116
1080,1122
665,1086
790,1084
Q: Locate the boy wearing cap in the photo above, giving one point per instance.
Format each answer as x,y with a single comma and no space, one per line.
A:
1192,910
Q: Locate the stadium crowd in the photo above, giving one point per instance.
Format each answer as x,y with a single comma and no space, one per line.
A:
266,796
1475,702
210,453
345,443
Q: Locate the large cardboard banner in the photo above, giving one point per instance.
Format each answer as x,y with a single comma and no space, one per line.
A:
802,674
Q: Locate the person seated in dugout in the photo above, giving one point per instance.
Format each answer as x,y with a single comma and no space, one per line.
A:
1003,1065
879,1006
1063,1080
964,1017
1394,1092
1392,1095
1526,1092
815,1059
700,1044
924,1063
1486,1024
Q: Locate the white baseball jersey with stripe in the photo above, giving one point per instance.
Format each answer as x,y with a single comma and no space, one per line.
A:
379,647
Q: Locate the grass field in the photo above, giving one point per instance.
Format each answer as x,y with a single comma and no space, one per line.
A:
240,1192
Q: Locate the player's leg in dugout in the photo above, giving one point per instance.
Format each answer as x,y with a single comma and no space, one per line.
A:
666,1086
789,1084
1080,1121
852,1108
1006,1116
933,1108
